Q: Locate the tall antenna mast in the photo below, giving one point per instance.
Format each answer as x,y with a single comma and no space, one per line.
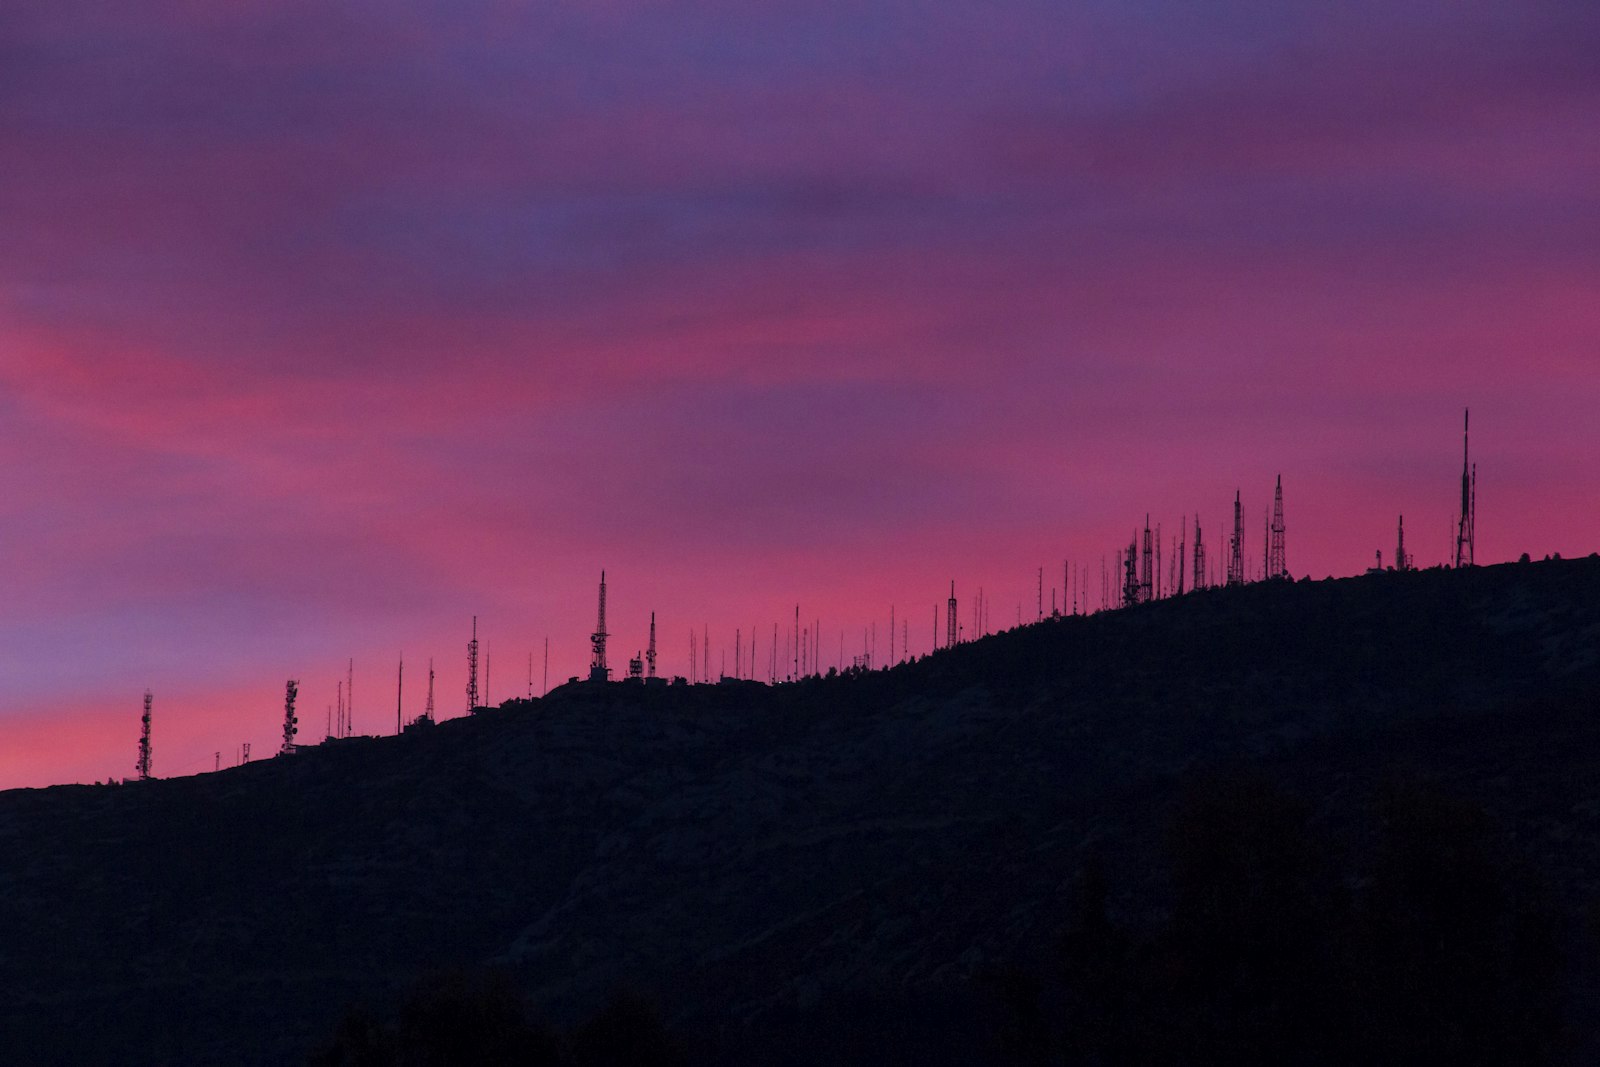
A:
950,618
427,712
350,700
472,667
1183,557
598,671
1130,572
650,656
1402,562
1147,575
143,766
1236,546
291,725
1199,574
1277,558
399,691
1468,514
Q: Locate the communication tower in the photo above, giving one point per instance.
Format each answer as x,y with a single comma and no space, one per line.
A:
291,725
598,671
950,618
1278,559
1402,562
1466,525
1146,567
1236,546
143,766
427,710
650,653
1199,575
472,667
1130,572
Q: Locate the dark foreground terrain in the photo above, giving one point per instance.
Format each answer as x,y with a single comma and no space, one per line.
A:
1341,821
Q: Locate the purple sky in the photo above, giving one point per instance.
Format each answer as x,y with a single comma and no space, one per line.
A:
325,326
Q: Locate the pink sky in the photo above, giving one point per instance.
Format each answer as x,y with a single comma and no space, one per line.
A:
324,327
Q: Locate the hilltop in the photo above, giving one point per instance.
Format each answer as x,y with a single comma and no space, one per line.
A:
807,869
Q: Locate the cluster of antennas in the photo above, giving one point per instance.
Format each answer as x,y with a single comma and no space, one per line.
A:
641,668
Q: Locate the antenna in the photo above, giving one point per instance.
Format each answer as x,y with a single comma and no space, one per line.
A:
1469,499
350,700
547,664
427,712
1146,578
650,656
1277,558
1199,575
1236,546
1130,572
1402,562
598,671
950,618
472,667
143,766
291,725
399,691
1183,529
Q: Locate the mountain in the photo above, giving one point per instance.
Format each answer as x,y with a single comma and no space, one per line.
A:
842,869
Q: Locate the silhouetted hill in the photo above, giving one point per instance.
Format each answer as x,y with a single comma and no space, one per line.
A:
838,870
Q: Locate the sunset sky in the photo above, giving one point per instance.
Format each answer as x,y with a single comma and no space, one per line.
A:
325,326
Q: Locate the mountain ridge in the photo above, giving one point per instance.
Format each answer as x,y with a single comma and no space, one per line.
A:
744,854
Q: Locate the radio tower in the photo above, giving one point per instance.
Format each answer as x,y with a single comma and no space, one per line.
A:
598,671
1146,574
950,619
427,711
1402,562
291,725
1236,546
1182,555
1198,579
143,766
1469,502
1277,561
650,655
1130,572
472,667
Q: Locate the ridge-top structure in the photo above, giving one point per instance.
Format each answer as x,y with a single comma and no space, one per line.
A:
950,619
1236,545
472,667
1467,519
291,724
143,766
598,671
1277,558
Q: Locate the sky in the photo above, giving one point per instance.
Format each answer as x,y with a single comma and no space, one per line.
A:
327,326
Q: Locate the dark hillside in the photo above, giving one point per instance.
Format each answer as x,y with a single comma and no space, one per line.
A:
808,870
